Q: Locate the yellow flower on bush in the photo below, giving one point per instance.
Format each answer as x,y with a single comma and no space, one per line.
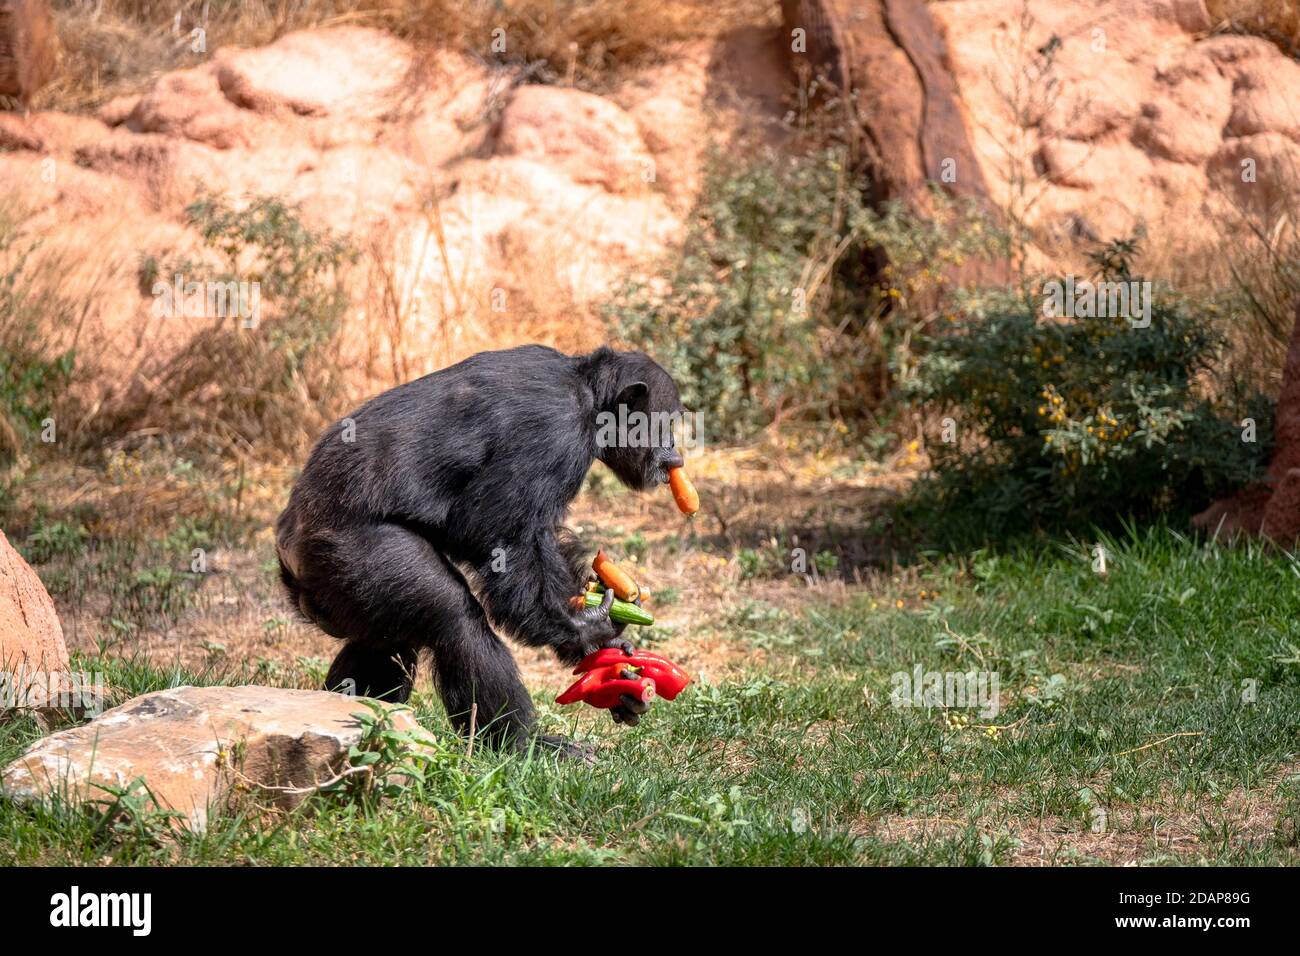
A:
1055,408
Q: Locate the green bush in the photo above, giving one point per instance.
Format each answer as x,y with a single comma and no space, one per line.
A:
742,318
792,299
1083,419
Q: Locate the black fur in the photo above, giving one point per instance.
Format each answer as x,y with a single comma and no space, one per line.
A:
389,540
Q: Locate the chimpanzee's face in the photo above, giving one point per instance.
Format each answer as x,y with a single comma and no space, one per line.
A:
642,469
643,447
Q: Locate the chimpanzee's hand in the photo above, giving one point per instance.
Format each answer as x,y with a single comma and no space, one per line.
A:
596,630
630,708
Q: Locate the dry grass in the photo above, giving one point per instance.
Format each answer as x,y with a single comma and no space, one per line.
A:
1245,280
575,42
425,305
41,322
1167,825
115,47
1264,287
1278,20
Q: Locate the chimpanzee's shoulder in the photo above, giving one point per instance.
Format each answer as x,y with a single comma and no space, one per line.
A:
527,359
509,383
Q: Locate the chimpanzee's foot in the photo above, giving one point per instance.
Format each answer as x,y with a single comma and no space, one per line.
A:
566,748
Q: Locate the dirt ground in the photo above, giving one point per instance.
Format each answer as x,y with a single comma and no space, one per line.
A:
760,503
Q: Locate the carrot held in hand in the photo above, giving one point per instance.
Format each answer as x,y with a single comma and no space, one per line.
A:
599,588
684,493
615,578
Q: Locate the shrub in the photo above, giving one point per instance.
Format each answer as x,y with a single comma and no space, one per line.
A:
926,260
1067,420
53,539
741,318
779,306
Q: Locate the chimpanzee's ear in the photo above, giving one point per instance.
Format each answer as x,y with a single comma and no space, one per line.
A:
635,396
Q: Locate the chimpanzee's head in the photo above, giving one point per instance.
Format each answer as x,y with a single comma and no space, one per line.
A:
636,407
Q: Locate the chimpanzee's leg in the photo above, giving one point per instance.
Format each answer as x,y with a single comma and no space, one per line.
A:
383,671
387,592
479,682
473,668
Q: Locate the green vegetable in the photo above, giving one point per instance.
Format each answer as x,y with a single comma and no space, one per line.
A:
625,612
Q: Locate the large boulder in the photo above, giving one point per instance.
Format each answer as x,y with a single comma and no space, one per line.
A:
48,132
195,748
34,669
191,104
343,72
28,48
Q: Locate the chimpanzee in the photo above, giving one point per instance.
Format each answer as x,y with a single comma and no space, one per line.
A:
461,476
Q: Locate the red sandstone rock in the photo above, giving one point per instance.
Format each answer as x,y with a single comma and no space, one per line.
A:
33,657
28,48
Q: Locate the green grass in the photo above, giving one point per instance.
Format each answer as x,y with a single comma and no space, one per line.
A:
805,761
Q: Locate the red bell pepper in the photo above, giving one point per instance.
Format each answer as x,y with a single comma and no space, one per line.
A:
605,678
588,684
610,693
668,677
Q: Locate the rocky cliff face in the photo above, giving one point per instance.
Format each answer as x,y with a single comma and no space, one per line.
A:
478,194
495,212
1095,117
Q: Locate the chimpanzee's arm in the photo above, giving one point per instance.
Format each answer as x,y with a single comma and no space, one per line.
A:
527,585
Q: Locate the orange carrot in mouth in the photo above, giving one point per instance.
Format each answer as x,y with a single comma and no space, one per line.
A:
615,578
684,493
